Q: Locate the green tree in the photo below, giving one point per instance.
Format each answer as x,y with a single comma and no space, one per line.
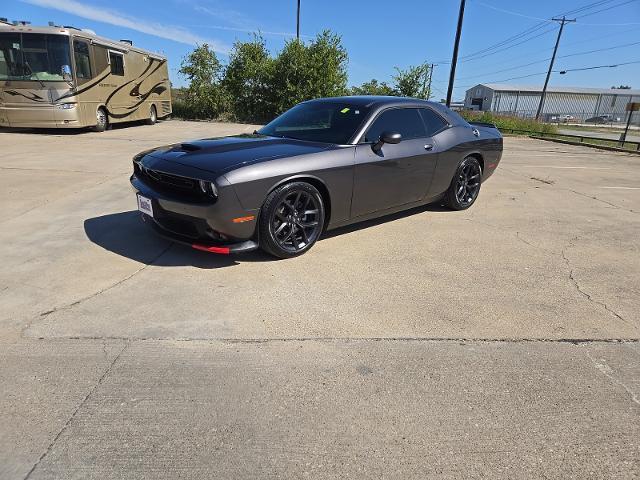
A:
248,81
373,87
413,82
304,71
204,97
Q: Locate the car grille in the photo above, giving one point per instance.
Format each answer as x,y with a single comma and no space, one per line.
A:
174,185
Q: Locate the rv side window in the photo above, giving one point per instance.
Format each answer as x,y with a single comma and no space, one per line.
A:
83,63
117,63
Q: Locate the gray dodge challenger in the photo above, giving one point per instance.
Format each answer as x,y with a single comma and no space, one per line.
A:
323,164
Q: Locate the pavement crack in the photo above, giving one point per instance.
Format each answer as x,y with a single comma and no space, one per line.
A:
593,197
76,410
585,294
99,292
607,372
517,234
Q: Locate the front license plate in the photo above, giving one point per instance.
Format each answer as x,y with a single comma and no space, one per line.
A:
145,205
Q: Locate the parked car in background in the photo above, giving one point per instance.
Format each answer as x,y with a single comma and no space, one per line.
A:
600,119
324,163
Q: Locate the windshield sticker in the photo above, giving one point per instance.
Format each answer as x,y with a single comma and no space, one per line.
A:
345,110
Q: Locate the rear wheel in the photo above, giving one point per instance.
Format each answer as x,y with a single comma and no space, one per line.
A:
465,186
102,120
291,220
153,116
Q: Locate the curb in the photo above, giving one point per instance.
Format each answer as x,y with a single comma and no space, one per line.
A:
584,144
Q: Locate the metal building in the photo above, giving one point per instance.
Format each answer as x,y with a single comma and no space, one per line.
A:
562,104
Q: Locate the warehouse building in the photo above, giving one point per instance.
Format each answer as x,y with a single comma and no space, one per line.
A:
563,104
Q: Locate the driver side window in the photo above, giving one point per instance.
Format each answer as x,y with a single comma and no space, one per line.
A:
405,121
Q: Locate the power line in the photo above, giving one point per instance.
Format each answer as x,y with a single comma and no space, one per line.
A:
509,12
509,47
587,7
562,72
554,71
526,33
605,9
547,59
506,69
513,38
600,50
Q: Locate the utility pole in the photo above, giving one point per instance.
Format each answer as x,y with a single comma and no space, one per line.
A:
562,21
430,77
298,23
454,60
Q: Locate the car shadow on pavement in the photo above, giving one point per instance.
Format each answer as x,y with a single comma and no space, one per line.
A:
125,234
432,207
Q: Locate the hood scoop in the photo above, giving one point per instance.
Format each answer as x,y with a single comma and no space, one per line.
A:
189,147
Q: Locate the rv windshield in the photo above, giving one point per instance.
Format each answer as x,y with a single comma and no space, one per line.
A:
33,56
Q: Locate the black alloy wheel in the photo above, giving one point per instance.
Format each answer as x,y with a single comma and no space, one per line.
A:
292,220
465,185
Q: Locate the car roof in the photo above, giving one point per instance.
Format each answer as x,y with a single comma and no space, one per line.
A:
372,100
379,102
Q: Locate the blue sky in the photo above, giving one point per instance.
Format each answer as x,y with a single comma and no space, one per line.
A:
380,35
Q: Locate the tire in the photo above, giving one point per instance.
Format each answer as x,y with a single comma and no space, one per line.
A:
465,185
291,220
153,116
102,120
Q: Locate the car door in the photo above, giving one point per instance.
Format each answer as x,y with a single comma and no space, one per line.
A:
396,174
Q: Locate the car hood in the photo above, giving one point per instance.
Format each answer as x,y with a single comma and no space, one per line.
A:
219,155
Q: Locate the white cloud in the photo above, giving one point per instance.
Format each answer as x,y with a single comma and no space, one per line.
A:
239,22
113,17
233,17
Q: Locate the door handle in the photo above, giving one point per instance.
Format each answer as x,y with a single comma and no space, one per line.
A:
428,147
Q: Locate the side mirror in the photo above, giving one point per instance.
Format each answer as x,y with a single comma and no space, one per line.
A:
66,73
386,137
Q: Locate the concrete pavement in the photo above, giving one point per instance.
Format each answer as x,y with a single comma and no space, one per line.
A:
498,342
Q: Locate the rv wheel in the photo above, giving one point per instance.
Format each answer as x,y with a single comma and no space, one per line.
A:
153,116
102,120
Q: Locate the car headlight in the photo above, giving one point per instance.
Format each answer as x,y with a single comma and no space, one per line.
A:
66,106
209,188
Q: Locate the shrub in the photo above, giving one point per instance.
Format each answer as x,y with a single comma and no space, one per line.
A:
505,122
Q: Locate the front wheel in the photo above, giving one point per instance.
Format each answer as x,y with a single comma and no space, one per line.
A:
465,185
102,120
153,116
291,220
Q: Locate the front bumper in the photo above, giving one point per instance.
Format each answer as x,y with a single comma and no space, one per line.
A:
203,226
203,245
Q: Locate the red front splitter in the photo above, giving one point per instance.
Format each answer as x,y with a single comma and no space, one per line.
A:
205,248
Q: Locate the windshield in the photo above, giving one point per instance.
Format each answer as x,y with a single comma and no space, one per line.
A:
327,122
33,56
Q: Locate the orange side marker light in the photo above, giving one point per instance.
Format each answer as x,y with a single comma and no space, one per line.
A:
244,219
